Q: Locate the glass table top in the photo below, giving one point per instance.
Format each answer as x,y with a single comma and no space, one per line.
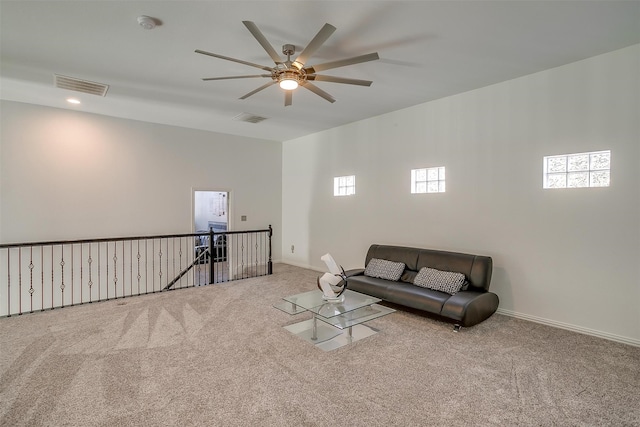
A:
312,301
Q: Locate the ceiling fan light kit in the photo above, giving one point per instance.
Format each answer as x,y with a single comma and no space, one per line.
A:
291,74
288,80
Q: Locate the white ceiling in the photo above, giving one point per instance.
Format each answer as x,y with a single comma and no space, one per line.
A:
428,50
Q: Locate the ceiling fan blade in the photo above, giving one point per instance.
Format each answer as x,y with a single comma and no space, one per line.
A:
264,86
288,97
315,89
263,41
342,63
240,61
236,77
320,78
322,36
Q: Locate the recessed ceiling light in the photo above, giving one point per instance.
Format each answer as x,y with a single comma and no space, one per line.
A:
73,101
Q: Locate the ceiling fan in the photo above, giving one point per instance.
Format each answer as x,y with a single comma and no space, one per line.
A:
291,74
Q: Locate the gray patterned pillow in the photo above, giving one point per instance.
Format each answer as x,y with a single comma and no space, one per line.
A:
384,269
443,281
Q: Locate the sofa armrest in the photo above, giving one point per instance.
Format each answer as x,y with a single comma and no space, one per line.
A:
469,307
354,272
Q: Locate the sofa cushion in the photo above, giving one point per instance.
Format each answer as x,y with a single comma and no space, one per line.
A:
416,297
444,281
371,286
408,256
384,269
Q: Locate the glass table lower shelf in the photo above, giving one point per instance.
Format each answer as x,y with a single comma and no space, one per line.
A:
333,324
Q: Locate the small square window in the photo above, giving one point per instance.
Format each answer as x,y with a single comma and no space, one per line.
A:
344,185
427,180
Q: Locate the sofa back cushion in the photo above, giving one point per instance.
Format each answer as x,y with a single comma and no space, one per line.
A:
476,268
407,256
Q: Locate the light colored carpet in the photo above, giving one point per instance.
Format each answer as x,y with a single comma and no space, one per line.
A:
218,356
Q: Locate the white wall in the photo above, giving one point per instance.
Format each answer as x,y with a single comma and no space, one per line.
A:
67,175
566,257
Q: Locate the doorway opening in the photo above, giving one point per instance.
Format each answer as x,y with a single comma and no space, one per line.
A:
211,213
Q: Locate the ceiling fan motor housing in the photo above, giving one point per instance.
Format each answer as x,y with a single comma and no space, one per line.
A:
288,49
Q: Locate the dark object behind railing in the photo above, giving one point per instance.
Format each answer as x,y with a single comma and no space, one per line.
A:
45,275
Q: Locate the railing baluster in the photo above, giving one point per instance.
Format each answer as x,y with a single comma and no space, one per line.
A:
260,256
146,263
42,277
52,279
153,264
81,271
124,278
61,275
115,269
138,270
31,290
52,250
9,282
72,274
242,258
90,283
98,272
159,265
173,258
19,280
180,259
106,257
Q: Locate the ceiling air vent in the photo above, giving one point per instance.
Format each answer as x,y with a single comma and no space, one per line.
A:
249,118
79,85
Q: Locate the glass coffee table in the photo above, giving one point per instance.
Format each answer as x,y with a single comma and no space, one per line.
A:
333,324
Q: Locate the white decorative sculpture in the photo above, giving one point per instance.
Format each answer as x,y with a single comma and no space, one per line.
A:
334,283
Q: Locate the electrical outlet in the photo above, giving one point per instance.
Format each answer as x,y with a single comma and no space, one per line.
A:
243,218
292,248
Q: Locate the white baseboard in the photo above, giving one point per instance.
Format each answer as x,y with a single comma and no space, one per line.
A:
569,327
305,266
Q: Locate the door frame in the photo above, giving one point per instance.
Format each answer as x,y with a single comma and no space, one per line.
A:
215,190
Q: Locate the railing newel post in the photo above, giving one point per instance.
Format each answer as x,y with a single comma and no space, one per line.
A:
270,263
211,264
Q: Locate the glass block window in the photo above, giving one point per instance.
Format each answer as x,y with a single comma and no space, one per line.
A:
577,170
344,185
429,180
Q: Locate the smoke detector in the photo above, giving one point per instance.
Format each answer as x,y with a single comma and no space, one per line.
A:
146,22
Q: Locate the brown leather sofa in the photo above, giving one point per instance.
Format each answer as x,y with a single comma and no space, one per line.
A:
467,307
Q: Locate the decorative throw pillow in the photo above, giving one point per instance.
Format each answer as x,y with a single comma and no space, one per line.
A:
443,281
383,269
